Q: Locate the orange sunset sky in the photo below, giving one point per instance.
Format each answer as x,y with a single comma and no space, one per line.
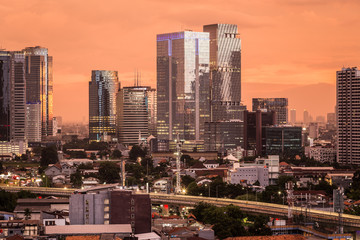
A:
290,48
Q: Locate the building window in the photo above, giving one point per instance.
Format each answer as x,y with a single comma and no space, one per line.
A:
132,201
132,216
106,201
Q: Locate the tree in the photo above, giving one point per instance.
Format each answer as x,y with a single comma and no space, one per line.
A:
48,156
186,180
136,151
1,167
27,213
116,154
24,157
76,179
109,172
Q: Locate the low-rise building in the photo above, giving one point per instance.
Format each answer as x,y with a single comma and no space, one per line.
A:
271,162
323,154
249,175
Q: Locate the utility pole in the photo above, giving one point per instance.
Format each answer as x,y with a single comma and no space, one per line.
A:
290,198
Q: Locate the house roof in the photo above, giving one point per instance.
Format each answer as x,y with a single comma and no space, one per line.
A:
198,165
15,237
278,237
97,237
88,229
211,162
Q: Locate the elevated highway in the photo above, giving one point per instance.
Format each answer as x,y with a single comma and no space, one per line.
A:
247,206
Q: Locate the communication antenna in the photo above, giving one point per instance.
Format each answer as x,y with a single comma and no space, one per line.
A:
178,156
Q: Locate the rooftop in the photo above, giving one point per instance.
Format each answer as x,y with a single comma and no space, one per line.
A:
88,229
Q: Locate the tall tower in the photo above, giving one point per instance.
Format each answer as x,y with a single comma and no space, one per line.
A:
132,114
152,111
278,105
39,84
5,96
183,96
103,87
12,96
348,117
225,68
293,116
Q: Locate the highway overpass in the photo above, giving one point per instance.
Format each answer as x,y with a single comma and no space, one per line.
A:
247,206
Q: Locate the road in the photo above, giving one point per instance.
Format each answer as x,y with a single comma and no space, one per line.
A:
247,206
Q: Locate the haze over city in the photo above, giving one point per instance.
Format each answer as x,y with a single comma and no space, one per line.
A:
289,48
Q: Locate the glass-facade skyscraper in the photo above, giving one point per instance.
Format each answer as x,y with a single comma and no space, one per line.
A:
103,87
183,90
39,84
12,96
225,68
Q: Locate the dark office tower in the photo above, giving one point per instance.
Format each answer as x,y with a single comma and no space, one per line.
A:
12,96
224,135
132,114
225,69
183,96
254,129
103,87
5,96
18,92
278,105
39,84
348,118
283,140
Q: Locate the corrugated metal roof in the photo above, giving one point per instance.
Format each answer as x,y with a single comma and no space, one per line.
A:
88,229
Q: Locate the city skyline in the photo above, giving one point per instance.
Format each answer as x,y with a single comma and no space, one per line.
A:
277,57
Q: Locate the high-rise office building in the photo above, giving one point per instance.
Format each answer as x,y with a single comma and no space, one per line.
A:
183,95
39,84
33,121
152,111
348,119
5,96
103,87
284,140
225,70
223,135
254,129
306,117
292,116
132,114
278,105
12,96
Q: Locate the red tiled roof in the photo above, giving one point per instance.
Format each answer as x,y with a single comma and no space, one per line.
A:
279,237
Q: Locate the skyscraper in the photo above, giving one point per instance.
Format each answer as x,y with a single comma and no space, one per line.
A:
152,111
293,116
5,96
183,95
132,114
39,84
348,119
12,96
306,117
225,69
278,105
103,87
